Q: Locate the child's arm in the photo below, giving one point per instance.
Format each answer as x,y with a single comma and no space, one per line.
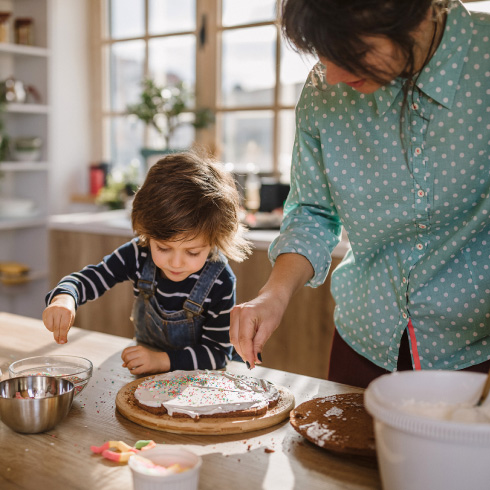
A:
59,316
88,284
94,280
141,360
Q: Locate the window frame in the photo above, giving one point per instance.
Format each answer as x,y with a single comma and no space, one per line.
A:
208,74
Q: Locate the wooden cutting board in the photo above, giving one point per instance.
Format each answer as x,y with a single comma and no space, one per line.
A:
205,426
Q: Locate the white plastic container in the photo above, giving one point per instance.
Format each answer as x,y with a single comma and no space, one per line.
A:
167,456
418,452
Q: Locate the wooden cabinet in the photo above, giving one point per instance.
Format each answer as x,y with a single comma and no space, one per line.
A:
300,345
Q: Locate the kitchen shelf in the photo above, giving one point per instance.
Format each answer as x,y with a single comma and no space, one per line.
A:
24,238
27,108
23,166
19,49
21,223
19,287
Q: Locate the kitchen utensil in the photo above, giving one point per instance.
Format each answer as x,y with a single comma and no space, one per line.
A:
484,393
78,370
32,404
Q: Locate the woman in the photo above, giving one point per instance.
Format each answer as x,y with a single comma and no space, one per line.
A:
392,143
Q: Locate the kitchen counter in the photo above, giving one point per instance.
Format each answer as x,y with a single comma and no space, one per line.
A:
61,458
119,223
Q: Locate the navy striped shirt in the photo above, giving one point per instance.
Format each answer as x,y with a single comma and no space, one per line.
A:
126,264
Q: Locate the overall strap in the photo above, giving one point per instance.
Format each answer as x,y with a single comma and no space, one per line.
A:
193,305
146,283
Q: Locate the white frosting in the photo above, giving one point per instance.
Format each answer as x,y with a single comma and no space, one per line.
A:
318,432
462,412
196,393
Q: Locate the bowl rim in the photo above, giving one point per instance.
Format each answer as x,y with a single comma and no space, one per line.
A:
57,379
160,449
88,369
444,430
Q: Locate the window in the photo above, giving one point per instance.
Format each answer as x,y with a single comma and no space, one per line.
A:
230,52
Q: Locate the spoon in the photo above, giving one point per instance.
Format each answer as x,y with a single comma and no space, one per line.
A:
486,389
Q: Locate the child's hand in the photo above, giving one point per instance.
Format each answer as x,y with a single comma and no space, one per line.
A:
140,360
59,316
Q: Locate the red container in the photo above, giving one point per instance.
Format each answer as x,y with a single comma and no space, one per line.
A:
97,179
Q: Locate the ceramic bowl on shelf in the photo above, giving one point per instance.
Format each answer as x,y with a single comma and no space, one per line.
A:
16,208
27,149
33,404
76,369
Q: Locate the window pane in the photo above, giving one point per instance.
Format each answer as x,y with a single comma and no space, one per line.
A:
247,137
127,18
483,6
248,66
125,137
294,70
181,139
237,12
126,73
171,16
173,60
287,128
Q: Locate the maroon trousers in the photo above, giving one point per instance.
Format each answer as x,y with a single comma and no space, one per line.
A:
349,367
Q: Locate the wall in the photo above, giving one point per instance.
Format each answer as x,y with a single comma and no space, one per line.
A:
70,101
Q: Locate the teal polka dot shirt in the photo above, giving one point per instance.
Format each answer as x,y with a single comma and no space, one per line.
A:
414,203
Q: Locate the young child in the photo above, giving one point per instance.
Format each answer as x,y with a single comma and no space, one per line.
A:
185,217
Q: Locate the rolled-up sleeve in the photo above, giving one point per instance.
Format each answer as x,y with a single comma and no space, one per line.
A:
311,226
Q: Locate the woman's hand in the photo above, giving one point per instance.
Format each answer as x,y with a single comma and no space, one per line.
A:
141,360
253,323
59,317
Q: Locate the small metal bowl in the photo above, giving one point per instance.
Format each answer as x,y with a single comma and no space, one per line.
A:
32,404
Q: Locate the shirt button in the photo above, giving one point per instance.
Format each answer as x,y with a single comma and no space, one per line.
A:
423,227
420,193
415,106
404,280
404,315
418,151
419,246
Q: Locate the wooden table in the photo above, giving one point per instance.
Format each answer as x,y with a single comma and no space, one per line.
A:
61,458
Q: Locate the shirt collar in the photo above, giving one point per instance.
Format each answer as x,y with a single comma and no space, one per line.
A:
439,79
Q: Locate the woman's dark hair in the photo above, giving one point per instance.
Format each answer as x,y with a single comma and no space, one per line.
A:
337,29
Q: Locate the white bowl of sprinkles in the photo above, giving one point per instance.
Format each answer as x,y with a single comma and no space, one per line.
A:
165,467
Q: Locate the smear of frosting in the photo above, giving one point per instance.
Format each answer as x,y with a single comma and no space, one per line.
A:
196,393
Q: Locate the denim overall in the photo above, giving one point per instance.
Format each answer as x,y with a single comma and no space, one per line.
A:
171,330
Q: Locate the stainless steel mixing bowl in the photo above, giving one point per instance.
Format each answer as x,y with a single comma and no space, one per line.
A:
32,404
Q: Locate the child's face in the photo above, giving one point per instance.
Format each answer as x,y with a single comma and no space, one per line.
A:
180,258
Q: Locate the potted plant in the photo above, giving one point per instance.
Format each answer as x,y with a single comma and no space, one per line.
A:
163,108
122,183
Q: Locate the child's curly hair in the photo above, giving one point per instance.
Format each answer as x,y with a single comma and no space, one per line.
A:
188,195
